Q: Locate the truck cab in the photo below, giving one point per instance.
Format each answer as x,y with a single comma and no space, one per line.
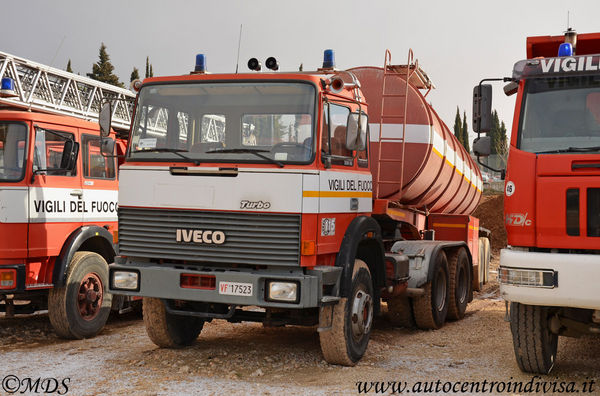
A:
552,197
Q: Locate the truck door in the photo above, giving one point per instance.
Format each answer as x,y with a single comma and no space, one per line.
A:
56,205
13,190
100,186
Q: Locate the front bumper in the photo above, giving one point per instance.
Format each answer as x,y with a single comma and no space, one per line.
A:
577,278
164,281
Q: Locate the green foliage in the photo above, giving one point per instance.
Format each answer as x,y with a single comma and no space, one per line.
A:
103,69
135,74
465,133
498,135
149,72
458,127
69,69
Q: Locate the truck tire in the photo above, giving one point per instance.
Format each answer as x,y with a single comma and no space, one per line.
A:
79,309
460,283
535,346
480,266
346,341
166,330
400,313
431,308
487,259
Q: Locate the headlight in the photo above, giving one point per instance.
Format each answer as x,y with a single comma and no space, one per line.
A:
125,280
528,277
283,291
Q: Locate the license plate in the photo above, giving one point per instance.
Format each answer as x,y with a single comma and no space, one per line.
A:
235,288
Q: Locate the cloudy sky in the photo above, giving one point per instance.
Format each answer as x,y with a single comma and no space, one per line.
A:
457,42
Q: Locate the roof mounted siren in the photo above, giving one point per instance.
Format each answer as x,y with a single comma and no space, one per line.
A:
328,59
568,48
7,89
200,67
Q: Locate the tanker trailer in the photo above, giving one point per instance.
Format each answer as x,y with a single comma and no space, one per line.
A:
274,190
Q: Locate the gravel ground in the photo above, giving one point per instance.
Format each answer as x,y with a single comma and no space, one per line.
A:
247,358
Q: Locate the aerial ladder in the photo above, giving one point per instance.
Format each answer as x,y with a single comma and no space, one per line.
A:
37,87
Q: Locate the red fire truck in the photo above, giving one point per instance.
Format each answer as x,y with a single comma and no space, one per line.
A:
58,195
310,195
549,271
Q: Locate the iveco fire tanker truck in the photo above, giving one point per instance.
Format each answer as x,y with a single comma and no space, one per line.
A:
549,273
295,198
58,194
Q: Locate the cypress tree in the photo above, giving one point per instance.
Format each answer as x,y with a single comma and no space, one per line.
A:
458,127
69,69
135,74
465,133
149,72
103,69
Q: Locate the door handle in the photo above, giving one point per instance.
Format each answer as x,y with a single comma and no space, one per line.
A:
77,193
583,166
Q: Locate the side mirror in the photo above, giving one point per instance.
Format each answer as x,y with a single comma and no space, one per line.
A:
105,119
69,155
482,108
356,131
511,88
107,147
482,146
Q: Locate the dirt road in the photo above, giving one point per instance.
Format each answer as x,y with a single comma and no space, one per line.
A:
249,359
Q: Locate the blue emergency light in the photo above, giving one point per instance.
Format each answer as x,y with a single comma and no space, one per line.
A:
200,63
565,49
7,87
328,59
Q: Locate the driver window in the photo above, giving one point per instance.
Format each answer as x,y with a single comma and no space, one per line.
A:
49,147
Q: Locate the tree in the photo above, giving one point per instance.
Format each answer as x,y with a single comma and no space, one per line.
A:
149,72
498,135
69,69
103,70
465,133
135,74
458,127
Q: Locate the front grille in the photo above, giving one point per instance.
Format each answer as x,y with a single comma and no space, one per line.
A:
251,238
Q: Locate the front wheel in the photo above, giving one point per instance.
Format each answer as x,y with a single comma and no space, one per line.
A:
81,307
346,341
166,330
535,345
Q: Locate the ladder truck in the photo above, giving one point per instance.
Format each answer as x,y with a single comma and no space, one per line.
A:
549,271
58,194
303,198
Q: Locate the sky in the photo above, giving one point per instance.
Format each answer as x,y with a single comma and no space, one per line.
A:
457,42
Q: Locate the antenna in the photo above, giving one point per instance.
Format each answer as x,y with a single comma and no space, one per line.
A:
568,25
238,54
58,49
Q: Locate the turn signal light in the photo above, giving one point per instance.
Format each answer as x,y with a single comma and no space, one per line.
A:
308,248
8,279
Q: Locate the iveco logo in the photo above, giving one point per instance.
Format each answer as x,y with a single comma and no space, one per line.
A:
200,236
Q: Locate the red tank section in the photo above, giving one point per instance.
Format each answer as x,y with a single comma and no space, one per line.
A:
415,159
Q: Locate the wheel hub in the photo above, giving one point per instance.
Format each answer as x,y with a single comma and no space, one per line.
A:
362,314
90,296
440,295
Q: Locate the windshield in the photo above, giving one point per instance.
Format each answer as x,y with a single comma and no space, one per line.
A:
256,122
561,115
13,143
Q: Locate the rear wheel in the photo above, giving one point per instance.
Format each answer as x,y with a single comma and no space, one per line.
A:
79,309
460,283
346,341
166,330
535,345
431,308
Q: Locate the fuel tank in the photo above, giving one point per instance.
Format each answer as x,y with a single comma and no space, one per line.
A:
418,163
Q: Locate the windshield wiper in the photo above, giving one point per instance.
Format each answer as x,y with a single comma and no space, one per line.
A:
169,150
256,152
571,150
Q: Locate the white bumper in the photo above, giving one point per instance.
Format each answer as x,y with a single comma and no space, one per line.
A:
577,275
